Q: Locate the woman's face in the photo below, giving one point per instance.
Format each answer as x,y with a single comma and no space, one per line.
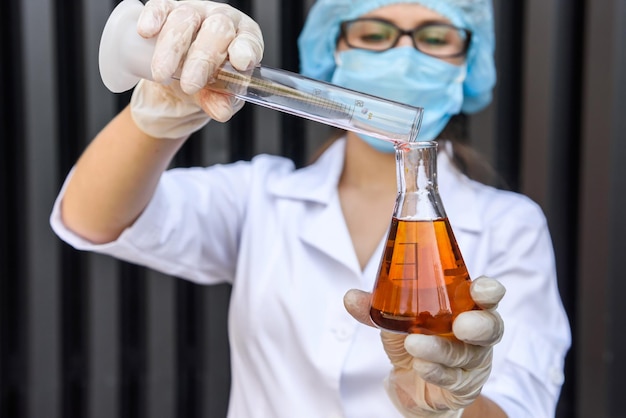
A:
406,16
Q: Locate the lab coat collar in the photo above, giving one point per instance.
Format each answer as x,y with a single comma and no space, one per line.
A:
316,182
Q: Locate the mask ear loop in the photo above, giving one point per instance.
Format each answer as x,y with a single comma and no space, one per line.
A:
337,57
461,77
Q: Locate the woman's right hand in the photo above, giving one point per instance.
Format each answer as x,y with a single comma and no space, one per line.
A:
194,38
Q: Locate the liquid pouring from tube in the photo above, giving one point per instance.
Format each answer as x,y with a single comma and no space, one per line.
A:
124,59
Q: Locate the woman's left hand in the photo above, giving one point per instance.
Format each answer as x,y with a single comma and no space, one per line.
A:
436,376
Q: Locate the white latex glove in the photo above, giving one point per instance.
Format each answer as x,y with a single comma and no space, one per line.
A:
437,376
194,38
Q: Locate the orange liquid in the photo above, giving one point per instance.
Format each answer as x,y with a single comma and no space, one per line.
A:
422,282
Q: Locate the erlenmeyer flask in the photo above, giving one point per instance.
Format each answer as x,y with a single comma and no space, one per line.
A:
422,282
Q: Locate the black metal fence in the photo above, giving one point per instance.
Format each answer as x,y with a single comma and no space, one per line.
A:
83,335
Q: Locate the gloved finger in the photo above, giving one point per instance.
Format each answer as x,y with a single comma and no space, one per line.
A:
394,347
487,292
445,351
174,41
246,50
480,328
459,381
357,303
219,106
207,52
153,16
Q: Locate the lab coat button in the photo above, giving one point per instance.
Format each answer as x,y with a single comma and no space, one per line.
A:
342,333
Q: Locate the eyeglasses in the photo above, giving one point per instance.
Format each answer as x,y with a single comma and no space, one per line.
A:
437,39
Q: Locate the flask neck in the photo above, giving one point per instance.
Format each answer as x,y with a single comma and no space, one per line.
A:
418,194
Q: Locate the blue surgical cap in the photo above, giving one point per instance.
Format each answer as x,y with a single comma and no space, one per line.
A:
318,40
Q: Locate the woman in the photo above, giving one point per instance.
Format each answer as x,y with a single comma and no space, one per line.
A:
294,242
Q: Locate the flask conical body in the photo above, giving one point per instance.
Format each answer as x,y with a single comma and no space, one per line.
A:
422,282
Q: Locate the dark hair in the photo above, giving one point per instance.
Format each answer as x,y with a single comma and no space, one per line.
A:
465,158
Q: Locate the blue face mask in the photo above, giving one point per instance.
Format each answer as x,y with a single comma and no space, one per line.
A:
408,76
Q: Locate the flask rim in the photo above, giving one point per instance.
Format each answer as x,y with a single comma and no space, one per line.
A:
405,146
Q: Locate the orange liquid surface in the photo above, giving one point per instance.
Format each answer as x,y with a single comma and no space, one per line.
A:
422,282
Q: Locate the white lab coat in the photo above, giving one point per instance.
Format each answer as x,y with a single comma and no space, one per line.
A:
279,237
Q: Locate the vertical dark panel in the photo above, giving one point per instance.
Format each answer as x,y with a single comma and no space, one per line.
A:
189,320
562,208
617,203
291,19
241,134
217,364
509,63
161,334
12,218
540,49
241,126
189,350
43,320
72,132
551,136
595,357
133,351
104,333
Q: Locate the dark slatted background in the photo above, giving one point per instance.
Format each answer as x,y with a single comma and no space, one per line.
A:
86,336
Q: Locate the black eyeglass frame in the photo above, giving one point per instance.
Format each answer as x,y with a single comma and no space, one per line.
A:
402,32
